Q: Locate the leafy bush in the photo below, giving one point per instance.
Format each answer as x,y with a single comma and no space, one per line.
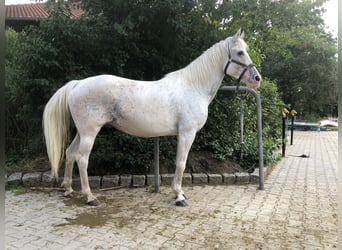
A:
221,134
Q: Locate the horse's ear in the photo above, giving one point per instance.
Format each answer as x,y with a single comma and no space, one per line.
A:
239,34
242,34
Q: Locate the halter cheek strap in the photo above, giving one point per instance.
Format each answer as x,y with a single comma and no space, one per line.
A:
239,63
230,60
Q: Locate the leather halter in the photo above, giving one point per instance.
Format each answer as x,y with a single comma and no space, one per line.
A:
230,60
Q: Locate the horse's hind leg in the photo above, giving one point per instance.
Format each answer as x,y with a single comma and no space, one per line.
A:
85,146
70,155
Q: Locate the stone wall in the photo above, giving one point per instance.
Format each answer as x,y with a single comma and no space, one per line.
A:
42,179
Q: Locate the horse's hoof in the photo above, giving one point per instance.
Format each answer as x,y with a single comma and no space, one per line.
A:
185,197
68,194
93,203
181,203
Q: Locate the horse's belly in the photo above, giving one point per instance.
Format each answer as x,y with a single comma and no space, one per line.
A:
148,111
143,126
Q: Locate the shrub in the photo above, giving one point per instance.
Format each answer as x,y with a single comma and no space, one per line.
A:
221,134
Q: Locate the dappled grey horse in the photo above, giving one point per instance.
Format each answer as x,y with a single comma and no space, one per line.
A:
174,105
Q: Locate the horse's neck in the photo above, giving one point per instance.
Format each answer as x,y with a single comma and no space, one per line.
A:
205,74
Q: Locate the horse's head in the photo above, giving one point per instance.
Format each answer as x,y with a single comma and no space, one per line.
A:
239,64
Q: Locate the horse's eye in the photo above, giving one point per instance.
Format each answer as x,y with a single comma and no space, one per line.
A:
240,53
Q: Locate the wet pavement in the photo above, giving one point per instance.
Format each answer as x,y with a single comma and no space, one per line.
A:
297,210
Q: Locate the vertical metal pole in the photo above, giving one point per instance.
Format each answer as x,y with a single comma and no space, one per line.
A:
242,141
260,143
156,164
292,124
283,139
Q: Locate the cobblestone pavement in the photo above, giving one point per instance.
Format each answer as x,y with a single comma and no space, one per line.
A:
297,210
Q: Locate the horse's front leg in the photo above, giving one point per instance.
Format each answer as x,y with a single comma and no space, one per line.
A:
185,141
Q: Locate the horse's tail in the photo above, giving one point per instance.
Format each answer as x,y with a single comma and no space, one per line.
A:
56,125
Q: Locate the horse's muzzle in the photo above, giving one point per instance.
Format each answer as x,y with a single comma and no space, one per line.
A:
254,78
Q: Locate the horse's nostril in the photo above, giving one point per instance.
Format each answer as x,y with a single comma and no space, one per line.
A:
257,78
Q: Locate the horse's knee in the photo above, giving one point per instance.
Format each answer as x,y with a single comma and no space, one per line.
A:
180,166
82,162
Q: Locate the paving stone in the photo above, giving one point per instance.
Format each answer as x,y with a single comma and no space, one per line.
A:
139,180
47,181
229,179
94,182
242,178
254,176
110,181
76,183
15,179
166,179
200,178
187,179
150,179
215,179
32,179
59,181
126,180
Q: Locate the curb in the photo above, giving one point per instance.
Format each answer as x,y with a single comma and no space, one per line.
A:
42,179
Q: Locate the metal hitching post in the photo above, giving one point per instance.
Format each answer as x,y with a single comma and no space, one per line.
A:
156,164
259,127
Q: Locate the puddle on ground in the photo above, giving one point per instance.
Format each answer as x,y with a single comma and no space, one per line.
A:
90,216
120,210
90,220
78,201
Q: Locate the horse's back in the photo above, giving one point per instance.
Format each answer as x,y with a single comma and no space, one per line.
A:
139,108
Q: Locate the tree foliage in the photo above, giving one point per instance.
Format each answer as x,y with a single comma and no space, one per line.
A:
302,58
145,39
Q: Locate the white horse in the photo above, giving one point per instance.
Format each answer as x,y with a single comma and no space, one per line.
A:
174,105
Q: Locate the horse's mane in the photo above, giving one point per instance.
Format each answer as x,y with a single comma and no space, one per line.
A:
198,71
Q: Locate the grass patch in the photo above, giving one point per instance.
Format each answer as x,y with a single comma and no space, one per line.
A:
17,190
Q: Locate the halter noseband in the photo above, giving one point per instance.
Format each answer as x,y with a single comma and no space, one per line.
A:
230,60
